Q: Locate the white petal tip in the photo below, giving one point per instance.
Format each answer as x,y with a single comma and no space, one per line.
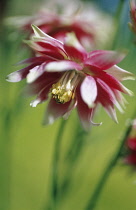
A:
130,93
129,78
33,75
114,118
34,103
96,124
112,113
13,77
38,32
29,79
35,28
91,105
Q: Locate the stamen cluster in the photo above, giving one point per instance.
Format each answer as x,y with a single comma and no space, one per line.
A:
61,94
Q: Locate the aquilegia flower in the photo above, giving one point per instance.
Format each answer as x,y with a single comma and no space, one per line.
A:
87,22
70,77
58,26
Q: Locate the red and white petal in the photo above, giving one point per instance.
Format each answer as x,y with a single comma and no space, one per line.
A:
112,82
120,98
55,111
38,32
14,77
58,66
47,48
40,35
103,59
35,73
74,54
126,90
88,90
32,75
74,49
71,40
120,73
105,94
17,76
85,113
107,99
111,95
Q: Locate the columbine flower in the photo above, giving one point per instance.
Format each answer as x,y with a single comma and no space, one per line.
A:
87,22
58,26
133,15
72,77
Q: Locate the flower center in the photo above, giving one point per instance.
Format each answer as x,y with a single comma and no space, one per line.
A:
64,90
61,94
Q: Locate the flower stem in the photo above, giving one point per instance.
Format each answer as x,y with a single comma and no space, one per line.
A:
5,160
71,159
54,184
92,202
117,23
119,9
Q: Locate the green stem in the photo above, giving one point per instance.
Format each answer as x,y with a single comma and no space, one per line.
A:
92,202
119,9
117,22
5,160
72,157
54,184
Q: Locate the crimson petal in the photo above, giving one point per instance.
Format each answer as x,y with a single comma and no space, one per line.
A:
103,59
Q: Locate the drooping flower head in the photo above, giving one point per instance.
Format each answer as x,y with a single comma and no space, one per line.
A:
133,15
69,76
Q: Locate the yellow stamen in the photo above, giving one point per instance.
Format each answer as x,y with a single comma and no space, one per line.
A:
61,94
64,90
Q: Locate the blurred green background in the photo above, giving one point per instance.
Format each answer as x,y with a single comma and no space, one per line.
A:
26,147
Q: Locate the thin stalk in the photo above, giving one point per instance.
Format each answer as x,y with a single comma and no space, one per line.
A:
117,22
55,166
119,9
98,190
72,157
5,162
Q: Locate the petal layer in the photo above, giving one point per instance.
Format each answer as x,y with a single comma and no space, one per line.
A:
103,59
120,73
58,66
88,91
